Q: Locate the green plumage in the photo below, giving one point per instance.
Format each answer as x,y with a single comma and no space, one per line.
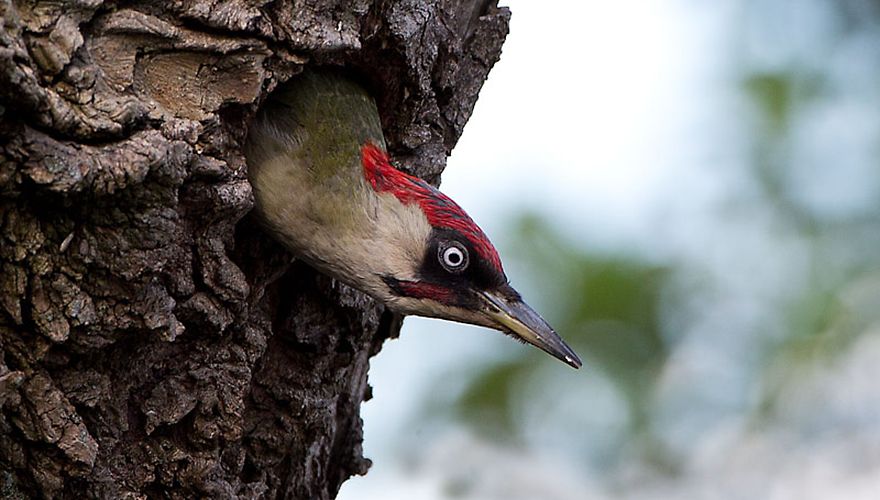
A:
303,156
304,163
327,114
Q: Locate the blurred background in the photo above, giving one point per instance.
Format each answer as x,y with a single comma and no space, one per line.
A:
690,192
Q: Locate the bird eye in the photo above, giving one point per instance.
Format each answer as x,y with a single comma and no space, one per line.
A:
453,257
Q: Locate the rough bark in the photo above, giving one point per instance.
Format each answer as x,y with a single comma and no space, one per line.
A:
152,342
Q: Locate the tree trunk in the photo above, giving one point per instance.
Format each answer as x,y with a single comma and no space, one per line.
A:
152,342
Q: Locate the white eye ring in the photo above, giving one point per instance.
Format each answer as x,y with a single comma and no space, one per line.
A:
453,257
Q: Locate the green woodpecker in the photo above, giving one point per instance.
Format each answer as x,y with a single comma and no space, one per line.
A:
325,188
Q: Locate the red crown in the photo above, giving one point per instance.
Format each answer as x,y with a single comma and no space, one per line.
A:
441,211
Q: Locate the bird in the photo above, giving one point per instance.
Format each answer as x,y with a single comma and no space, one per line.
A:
326,189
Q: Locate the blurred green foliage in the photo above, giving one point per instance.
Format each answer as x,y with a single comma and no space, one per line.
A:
613,308
817,322
607,308
610,309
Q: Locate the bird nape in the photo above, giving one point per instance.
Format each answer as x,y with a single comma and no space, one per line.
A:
326,189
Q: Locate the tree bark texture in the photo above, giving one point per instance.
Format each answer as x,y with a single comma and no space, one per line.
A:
153,343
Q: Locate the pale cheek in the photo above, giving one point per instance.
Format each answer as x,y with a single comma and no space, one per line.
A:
434,309
405,229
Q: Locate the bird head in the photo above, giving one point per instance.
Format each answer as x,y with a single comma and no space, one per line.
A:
454,271
326,190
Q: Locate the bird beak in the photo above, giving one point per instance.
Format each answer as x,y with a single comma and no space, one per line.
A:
515,316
